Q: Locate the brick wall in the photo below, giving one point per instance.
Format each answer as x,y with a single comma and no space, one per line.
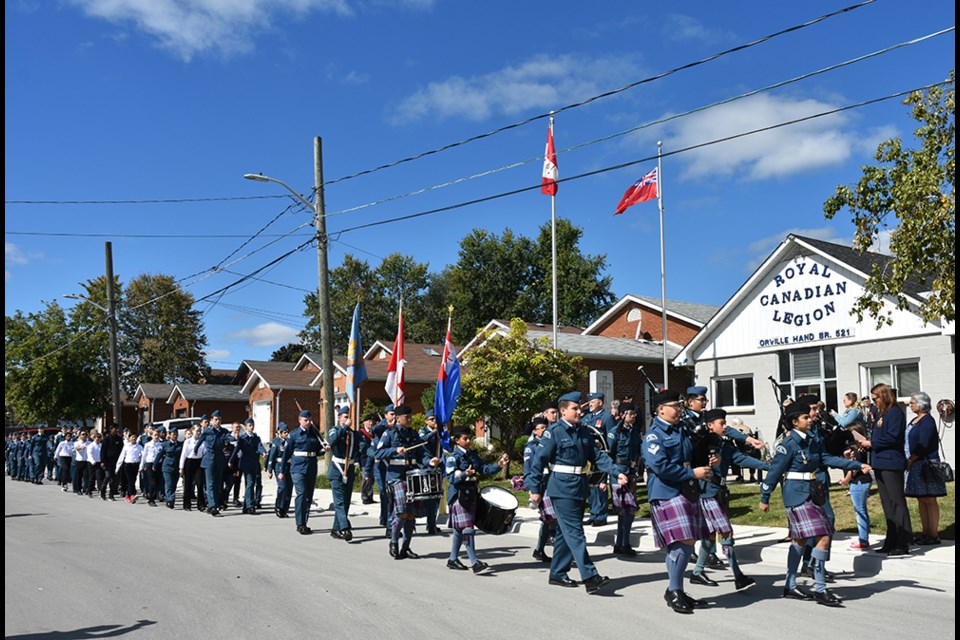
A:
651,323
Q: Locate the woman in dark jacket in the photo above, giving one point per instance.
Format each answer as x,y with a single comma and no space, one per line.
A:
922,450
889,462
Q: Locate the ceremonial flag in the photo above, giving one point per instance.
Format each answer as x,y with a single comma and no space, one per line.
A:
550,171
394,384
356,368
646,188
448,382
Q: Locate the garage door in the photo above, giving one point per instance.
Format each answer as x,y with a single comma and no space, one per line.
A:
261,420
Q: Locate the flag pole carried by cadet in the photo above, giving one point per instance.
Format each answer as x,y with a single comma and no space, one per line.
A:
549,187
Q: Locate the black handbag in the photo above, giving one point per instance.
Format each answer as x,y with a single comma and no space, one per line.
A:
936,472
818,492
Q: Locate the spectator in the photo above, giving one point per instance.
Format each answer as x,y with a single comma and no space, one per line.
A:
859,484
922,449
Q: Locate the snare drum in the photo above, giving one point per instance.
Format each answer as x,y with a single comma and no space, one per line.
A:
495,510
424,484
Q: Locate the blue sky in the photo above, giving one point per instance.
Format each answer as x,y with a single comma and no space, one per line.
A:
123,100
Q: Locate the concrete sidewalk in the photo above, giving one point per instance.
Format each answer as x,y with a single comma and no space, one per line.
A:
754,544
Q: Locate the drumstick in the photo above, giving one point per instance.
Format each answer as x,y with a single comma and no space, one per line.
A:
416,445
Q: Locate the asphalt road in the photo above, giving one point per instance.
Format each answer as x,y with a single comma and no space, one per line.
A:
82,568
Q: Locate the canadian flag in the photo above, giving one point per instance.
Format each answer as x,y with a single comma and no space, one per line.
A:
394,386
550,171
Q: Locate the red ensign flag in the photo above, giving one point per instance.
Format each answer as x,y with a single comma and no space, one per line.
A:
640,191
550,172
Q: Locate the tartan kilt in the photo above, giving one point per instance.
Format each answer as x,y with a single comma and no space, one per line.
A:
677,519
416,508
715,515
808,521
625,500
547,513
461,516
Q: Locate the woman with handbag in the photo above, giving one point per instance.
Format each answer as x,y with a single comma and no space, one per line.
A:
922,481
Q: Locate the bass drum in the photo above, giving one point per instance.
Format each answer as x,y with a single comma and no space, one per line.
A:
495,510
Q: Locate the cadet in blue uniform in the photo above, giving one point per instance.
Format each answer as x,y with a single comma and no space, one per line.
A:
169,462
365,435
463,466
796,462
380,468
625,445
246,458
303,447
714,499
345,447
275,466
213,463
674,494
601,422
548,519
39,456
402,450
565,449
430,433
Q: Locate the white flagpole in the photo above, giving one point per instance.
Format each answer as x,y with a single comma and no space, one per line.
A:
663,268
553,234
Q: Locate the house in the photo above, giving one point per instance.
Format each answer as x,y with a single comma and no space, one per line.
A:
278,394
194,400
151,400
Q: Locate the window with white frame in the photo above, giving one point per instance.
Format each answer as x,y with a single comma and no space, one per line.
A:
902,376
733,391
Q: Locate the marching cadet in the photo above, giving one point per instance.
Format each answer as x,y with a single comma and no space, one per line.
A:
39,456
430,432
190,469
129,462
463,466
714,500
303,446
388,422
548,519
401,449
345,447
796,461
149,466
625,444
674,494
366,455
64,455
79,469
169,463
213,439
94,480
246,458
565,449
275,466
601,422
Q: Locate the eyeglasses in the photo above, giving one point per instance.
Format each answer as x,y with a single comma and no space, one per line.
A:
672,405
699,398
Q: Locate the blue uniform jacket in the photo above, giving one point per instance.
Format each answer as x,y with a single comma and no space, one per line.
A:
626,447
667,448
397,464
247,448
728,454
39,447
799,453
461,488
169,457
274,456
214,441
337,438
570,445
887,442
530,450
305,441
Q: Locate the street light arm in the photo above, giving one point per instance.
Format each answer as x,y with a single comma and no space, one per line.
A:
259,177
74,296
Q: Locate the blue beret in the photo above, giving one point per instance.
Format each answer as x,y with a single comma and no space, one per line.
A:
215,414
573,396
162,429
305,414
596,395
283,427
204,417
389,408
430,414
248,421
344,410
696,391
172,429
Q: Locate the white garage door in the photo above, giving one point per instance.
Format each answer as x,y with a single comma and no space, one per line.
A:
261,420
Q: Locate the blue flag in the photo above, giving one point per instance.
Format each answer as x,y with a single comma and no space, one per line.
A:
356,367
448,383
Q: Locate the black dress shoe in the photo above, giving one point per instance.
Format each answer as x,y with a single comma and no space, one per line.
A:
401,555
897,552
714,561
456,565
701,578
796,594
827,599
214,512
625,551
336,533
598,524
347,535
394,549
694,603
388,533
562,582
677,602
541,556
806,571
828,576
304,530
479,566
744,582
595,583
433,530
410,554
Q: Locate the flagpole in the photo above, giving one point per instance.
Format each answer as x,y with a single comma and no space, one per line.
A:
553,235
663,267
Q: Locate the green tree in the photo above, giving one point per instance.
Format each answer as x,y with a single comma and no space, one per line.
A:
289,353
918,188
161,334
507,379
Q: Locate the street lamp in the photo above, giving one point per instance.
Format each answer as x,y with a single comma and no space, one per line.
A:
114,373
323,277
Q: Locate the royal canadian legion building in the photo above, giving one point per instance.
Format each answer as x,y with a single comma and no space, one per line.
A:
788,330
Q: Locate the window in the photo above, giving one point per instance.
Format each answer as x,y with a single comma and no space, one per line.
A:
805,371
903,377
734,392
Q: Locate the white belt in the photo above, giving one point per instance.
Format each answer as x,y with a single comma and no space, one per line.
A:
800,475
305,454
338,460
566,468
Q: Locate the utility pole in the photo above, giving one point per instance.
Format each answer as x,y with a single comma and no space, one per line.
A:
112,314
323,291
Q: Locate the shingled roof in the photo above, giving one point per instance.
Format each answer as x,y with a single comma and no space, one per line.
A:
218,392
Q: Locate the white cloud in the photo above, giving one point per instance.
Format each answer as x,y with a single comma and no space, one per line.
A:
217,355
881,244
541,82
269,334
759,250
681,28
780,152
13,254
191,27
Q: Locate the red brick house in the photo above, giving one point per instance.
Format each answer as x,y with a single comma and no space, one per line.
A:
151,400
194,400
279,395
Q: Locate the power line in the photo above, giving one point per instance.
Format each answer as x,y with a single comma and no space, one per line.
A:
154,201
